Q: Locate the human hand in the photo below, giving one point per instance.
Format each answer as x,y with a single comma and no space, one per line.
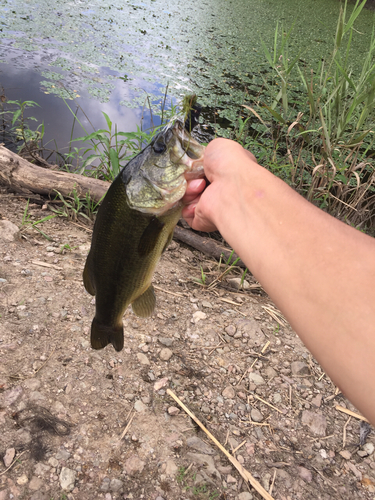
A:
223,161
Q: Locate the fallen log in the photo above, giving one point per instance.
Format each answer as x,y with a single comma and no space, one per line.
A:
208,246
20,175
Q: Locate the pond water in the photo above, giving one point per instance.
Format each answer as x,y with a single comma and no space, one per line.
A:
109,55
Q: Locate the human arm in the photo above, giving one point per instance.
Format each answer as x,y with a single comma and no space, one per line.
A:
319,271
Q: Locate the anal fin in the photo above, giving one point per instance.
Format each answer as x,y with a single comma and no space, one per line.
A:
102,335
144,305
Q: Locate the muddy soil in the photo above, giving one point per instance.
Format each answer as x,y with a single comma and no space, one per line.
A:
83,424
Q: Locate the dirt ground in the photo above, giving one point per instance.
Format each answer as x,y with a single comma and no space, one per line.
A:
82,424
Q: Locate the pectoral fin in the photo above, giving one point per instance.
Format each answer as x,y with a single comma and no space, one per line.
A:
144,305
150,237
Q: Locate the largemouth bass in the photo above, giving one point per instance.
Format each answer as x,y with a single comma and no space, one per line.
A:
134,226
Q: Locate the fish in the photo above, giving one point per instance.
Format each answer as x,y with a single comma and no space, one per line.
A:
134,226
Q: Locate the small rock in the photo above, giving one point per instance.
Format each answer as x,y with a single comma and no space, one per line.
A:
160,383
270,372
52,461
11,396
134,465
139,406
142,358
199,445
305,474
171,468
317,401
62,454
231,479
230,330
197,316
256,379
237,285
67,478
9,456
22,480
277,398
206,461
165,354
9,231
166,341
206,304
245,495
229,392
299,368
316,422
368,448
115,485
345,454
256,415
173,410
36,484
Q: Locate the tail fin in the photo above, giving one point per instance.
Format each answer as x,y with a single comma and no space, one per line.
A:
102,335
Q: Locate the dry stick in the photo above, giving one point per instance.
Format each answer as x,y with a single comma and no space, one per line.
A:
14,461
273,481
45,264
80,225
167,291
266,403
351,413
239,446
46,361
127,426
244,473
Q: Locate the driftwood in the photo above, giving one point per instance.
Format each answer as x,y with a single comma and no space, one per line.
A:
19,175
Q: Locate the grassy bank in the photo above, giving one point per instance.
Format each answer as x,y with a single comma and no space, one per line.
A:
317,136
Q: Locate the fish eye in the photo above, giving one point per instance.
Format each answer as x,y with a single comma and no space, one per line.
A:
159,147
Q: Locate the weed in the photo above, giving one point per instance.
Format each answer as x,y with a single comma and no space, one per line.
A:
73,206
202,279
202,491
329,143
26,221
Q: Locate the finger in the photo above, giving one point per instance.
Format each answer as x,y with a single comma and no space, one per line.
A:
193,190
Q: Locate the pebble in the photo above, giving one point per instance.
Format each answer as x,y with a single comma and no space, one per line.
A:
166,341
237,285
139,406
170,468
115,485
9,231
316,422
230,330
305,474
134,465
345,454
199,445
9,456
299,368
165,354
62,454
173,410
256,379
22,480
245,495
198,316
142,358
256,415
317,400
277,398
368,448
229,392
160,383
270,372
36,484
67,478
